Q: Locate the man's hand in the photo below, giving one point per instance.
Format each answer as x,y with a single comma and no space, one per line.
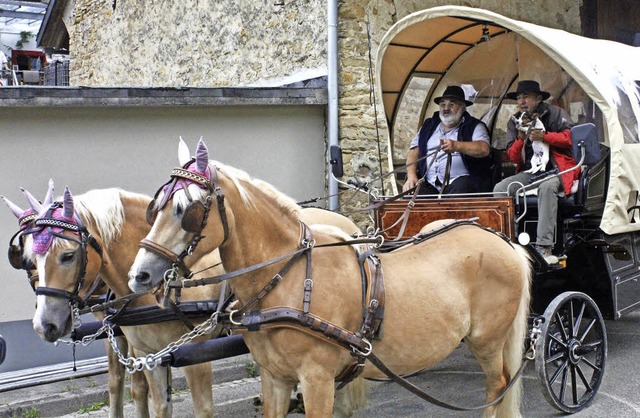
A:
448,146
536,135
410,183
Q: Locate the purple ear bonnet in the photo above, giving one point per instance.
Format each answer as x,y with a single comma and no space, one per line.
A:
200,166
42,239
202,158
27,217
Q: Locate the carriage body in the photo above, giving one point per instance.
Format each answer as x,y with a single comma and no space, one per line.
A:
597,233
487,54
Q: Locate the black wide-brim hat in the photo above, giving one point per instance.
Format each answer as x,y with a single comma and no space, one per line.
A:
453,92
528,86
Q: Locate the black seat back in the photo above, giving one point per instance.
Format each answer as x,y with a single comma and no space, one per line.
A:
585,134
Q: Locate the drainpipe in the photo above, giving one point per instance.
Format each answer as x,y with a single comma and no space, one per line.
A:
332,87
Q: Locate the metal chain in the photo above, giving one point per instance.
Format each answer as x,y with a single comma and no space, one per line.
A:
152,361
87,339
534,335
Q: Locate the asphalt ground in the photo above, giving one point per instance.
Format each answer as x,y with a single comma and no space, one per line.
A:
457,379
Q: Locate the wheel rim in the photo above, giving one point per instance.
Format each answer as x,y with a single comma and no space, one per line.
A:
571,352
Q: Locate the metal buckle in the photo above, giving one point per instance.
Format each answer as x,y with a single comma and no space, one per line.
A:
231,318
369,349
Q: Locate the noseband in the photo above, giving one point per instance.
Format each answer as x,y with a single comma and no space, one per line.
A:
48,221
194,217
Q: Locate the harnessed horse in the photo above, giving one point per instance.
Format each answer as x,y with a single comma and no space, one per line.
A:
96,234
93,291
302,298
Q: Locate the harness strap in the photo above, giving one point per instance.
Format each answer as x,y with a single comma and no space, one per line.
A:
423,395
227,276
164,252
281,316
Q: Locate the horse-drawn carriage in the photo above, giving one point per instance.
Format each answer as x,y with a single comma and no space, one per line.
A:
596,238
284,270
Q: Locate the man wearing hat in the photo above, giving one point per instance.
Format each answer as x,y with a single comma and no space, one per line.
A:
450,134
557,124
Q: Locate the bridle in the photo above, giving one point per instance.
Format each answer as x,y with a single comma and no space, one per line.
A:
17,250
194,217
78,228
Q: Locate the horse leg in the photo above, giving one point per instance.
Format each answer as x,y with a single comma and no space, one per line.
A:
350,398
140,394
158,379
276,395
200,383
497,377
318,390
116,379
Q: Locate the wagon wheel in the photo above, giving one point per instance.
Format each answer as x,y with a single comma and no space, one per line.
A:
571,352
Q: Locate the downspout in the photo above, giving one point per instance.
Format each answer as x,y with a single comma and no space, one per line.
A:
332,87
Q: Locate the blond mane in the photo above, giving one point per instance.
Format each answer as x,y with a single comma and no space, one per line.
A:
238,177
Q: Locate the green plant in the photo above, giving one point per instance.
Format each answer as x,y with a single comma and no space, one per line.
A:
31,413
93,407
251,368
25,36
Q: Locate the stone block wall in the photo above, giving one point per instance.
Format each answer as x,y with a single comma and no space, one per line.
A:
227,42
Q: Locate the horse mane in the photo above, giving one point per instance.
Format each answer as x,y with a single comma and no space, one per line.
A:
103,210
238,177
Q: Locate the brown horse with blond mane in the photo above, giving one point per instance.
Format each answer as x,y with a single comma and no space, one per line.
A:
437,292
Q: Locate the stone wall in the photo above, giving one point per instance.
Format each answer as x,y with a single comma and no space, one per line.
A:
224,42
194,42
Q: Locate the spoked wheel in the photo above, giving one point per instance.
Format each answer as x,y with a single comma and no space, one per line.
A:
571,351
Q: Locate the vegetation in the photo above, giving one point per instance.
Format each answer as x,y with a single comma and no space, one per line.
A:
30,413
25,37
93,407
252,368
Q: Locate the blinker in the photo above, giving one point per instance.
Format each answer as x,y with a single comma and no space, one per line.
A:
152,213
193,216
16,260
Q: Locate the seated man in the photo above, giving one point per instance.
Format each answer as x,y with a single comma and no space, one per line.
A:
459,135
557,124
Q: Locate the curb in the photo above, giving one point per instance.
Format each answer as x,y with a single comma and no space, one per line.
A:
71,395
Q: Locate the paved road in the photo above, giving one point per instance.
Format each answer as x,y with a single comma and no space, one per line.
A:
459,380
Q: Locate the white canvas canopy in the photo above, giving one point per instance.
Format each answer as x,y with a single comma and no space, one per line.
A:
487,54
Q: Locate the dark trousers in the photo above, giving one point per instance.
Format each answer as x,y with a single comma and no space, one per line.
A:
462,184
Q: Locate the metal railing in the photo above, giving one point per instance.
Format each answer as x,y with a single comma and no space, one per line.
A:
57,74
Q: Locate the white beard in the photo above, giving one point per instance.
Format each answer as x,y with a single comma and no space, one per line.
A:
451,119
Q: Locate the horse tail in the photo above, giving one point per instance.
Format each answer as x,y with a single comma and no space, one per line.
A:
351,398
513,351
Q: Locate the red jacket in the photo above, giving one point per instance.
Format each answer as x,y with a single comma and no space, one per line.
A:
557,141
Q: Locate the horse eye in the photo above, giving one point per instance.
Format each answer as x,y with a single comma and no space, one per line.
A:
67,257
179,210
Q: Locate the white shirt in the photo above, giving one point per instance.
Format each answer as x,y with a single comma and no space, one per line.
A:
436,172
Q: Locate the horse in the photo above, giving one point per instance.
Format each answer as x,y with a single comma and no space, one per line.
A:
93,287
436,293
115,221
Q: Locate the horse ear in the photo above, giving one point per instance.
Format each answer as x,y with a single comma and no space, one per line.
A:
13,207
67,204
183,153
202,157
33,202
48,199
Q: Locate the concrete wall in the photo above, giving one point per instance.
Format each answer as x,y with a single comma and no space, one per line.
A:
135,148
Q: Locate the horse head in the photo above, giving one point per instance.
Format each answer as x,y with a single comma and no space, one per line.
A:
57,245
187,208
